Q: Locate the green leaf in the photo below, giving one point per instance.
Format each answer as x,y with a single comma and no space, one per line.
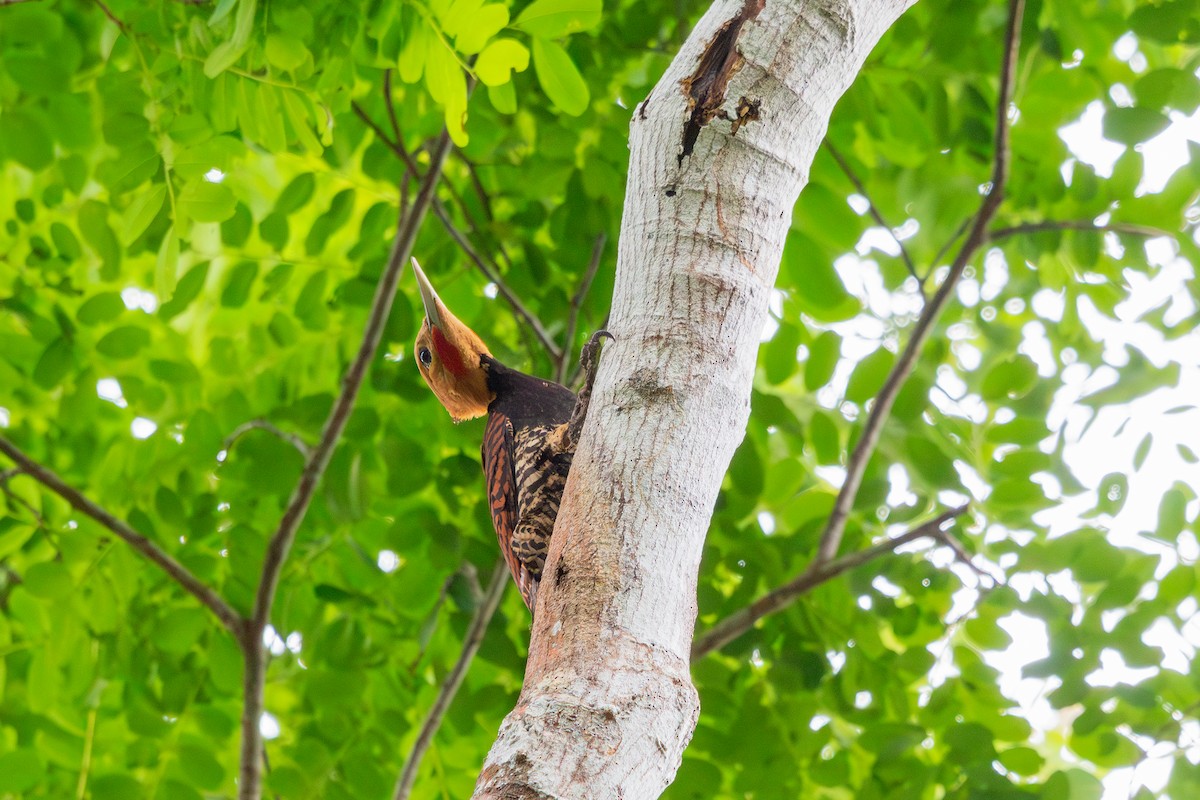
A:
178,630
115,786
49,580
448,86
1172,515
1112,492
484,23
559,78
21,770
26,140
124,342
823,355
869,375
499,60
1010,379
825,438
503,98
166,266
102,307
310,303
1025,761
779,354
1142,451
206,202
187,290
141,213
1133,125
1169,88
411,63
201,767
551,19
1072,784
238,284
286,52
296,194
93,224
227,53
219,152
818,290
54,364
297,111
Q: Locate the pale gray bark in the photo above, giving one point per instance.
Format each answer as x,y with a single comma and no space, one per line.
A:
608,705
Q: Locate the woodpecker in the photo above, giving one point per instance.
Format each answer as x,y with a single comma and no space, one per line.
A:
529,441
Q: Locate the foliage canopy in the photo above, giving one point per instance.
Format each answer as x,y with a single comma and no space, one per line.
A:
197,202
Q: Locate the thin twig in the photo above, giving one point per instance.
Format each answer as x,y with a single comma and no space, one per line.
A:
281,541
263,425
873,210
593,267
395,145
108,13
433,720
945,248
817,573
831,538
1077,225
201,591
410,164
390,104
484,198
85,764
961,554
490,272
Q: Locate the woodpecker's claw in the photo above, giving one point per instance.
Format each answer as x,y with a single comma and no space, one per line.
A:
589,359
587,356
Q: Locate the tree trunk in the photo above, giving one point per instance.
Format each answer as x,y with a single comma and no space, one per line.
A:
719,152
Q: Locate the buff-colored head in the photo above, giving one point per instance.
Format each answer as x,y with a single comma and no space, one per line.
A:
449,357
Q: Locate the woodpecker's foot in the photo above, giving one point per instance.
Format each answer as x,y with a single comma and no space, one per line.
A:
589,359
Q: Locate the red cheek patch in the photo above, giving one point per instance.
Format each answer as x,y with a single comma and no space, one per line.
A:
449,354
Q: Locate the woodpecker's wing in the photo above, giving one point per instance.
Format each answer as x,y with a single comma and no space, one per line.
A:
500,475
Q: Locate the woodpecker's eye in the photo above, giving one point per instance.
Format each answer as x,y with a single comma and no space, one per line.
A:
425,356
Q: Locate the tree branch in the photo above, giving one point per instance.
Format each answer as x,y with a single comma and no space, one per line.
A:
873,210
493,275
490,271
831,537
198,589
314,468
817,573
1077,225
483,615
564,358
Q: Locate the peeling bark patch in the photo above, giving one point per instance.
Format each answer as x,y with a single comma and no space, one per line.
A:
705,88
747,111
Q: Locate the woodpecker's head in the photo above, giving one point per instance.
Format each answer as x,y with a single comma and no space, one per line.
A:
449,355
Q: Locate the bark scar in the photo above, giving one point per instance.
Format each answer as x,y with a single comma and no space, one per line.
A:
705,88
747,111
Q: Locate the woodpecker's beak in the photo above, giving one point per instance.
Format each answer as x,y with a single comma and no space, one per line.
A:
428,297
